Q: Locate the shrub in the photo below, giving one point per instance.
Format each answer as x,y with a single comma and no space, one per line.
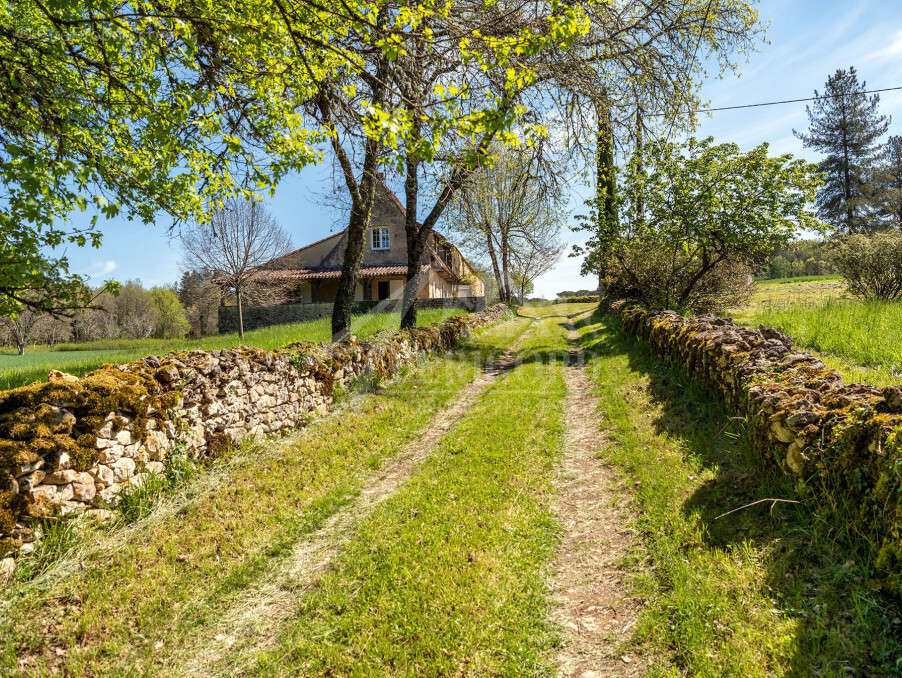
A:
658,278
872,264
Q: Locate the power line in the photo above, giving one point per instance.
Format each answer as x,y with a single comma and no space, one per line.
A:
787,101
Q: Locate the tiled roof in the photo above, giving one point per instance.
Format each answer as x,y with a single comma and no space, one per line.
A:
287,275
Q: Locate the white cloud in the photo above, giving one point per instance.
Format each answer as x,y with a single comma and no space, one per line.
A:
100,268
893,50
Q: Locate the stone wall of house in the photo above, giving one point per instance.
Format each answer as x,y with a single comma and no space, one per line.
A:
71,444
842,442
283,314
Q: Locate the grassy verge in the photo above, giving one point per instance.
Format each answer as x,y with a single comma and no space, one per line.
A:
757,593
857,338
447,577
116,607
860,333
80,359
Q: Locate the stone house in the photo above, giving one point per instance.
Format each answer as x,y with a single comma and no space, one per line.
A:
310,274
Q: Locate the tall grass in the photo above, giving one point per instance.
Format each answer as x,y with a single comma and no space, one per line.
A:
864,333
79,359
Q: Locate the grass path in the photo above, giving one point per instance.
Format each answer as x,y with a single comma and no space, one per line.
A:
594,605
247,627
448,575
121,605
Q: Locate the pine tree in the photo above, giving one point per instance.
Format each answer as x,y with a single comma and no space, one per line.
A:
889,178
844,124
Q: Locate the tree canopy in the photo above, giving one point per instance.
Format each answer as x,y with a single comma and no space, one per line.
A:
134,108
707,207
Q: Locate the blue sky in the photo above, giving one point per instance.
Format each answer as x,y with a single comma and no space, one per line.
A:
806,41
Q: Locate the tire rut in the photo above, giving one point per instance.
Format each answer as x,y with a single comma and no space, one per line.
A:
251,624
592,607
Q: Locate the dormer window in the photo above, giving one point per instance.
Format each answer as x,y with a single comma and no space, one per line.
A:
380,238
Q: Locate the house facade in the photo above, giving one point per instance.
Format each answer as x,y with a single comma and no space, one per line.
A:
310,274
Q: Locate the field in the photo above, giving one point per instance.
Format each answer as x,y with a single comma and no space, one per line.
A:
79,359
863,340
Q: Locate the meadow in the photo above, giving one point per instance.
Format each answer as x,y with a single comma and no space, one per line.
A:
79,359
861,339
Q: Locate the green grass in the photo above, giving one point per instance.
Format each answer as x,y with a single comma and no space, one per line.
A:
79,359
132,594
798,279
860,339
447,577
757,593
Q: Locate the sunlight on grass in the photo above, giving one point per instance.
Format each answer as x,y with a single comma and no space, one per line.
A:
79,359
860,339
448,576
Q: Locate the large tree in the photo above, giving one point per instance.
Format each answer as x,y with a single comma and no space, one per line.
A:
845,125
634,77
466,103
233,242
709,211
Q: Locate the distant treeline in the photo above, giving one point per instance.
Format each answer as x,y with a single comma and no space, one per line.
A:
799,258
188,308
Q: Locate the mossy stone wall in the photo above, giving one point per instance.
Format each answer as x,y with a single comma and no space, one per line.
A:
842,442
71,445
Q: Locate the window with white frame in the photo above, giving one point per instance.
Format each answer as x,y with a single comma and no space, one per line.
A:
379,238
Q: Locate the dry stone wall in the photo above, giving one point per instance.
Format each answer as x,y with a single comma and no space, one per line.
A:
72,445
843,442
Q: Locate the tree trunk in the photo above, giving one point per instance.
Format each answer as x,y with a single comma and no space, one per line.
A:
362,193
490,244
416,245
505,269
240,313
344,296
605,189
19,335
640,167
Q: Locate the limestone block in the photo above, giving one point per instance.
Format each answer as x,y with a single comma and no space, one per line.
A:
61,477
139,479
63,493
111,454
110,495
794,458
68,508
47,492
102,475
157,444
83,488
31,480
106,431
783,434
123,469
7,568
